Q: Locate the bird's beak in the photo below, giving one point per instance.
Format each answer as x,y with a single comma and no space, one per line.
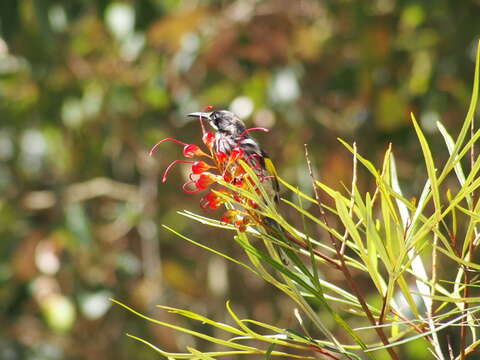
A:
204,115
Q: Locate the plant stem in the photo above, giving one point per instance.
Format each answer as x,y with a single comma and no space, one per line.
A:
343,266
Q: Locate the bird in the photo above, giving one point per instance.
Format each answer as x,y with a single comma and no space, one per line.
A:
231,133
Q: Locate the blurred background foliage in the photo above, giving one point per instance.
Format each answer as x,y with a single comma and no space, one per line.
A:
87,87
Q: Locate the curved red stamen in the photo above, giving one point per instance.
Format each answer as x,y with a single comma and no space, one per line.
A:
165,173
200,119
246,131
257,161
252,156
253,129
188,191
155,147
205,109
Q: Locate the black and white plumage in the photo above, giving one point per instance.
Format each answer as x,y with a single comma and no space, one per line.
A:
231,133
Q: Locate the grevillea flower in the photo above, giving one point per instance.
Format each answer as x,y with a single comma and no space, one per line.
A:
213,200
199,167
216,166
220,156
192,150
208,139
236,154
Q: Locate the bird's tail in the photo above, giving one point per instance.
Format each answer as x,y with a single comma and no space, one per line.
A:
275,230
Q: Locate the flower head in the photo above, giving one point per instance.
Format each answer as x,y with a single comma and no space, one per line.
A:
215,168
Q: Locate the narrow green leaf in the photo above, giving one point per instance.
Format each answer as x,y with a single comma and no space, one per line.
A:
202,319
296,191
187,331
360,158
431,171
211,250
458,166
453,159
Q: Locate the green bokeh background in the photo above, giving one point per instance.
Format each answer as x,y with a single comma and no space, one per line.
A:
87,87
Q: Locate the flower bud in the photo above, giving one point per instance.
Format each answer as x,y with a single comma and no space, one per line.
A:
229,216
199,167
240,225
211,201
191,150
236,154
204,180
208,139
221,156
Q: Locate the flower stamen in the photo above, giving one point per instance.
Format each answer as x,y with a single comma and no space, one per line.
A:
187,190
155,147
165,173
200,119
246,131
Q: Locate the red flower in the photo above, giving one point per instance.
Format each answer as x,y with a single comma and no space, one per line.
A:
205,174
212,200
236,154
229,216
199,167
220,156
202,182
205,179
192,150
167,170
208,139
189,150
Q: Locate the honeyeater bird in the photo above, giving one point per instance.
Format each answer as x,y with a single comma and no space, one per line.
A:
230,132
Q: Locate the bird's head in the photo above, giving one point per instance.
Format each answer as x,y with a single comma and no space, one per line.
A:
223,121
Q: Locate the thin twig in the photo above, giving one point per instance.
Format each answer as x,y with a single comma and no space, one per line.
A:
322,351
469,350
450,349
466,293
302,245
430,312
412,324
384,308
343,266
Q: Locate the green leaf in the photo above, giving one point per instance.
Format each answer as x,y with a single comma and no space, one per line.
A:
211,250
453,159
427,154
